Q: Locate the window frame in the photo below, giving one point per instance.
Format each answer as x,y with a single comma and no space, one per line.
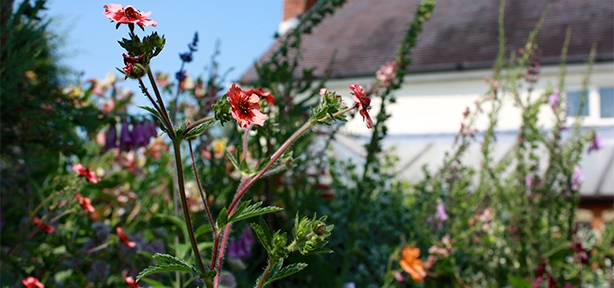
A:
594,107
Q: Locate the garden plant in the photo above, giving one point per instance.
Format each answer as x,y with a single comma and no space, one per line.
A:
219,185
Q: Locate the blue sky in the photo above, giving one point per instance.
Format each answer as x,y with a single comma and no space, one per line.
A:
245,29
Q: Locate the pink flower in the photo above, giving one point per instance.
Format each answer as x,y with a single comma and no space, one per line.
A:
387,73
362,102
85,172
576,178
245,107
129,15
266,95
595,143
124,238
554,99
86,203
31,282
108,106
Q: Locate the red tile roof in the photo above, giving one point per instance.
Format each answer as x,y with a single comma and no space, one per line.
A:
460,34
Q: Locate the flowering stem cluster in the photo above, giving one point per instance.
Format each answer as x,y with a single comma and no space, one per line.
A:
243,106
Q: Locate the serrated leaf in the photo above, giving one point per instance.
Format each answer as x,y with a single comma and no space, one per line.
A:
253,210
285,272
222,218
170,259
200,129
262,232
162,268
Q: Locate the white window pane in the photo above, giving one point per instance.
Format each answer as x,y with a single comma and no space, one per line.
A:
574,99
606,100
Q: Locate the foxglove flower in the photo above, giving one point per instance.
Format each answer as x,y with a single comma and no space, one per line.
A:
125,141
151,129
128,15
111,139
595,143
139,135
576,178
441,215
554,99
245,107
362,103
241,248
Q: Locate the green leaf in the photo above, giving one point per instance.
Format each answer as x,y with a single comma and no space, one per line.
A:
277,274
233,160
222,218
166,263
152,111
262,232
162,268
180,128
251,211
153,283
202,229
558,252
518,282
170,259
200,129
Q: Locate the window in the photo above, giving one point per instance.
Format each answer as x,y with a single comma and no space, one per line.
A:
575,99
606,101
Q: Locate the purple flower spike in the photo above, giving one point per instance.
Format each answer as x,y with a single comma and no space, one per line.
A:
241,248
441,214
125,141
151,129
138,135
595,144
111,141
577,178
554,99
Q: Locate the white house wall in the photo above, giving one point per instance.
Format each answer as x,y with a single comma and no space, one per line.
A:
433,103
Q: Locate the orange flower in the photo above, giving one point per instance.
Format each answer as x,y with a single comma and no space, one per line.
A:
124,237
412,264
43,226
85,172
245,107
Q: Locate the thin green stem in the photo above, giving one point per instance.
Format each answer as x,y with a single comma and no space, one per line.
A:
279,153
266,273
198,122
203,194
162,109
185,207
